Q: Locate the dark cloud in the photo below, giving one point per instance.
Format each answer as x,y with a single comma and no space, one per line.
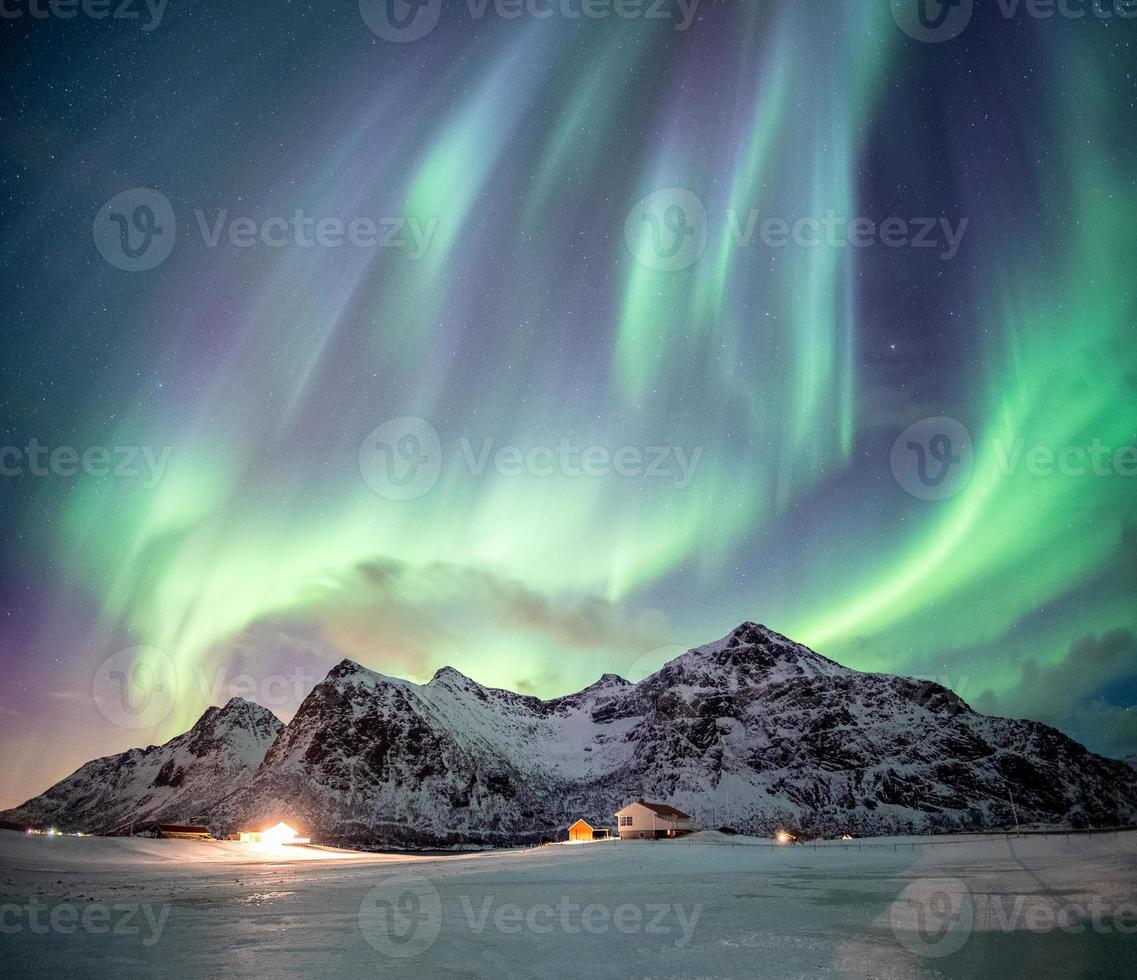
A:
1069,693
409,620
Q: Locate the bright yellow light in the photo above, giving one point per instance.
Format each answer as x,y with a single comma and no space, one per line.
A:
784,837
279,835
274,838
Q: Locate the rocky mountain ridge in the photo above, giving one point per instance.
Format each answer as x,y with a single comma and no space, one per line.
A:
752,732
181,780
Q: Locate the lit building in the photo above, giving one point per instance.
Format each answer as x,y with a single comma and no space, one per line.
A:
274,835
583,831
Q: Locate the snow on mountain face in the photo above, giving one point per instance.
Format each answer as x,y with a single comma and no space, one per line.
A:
753,732
175,782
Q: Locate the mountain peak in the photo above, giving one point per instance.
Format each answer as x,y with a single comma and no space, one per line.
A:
242,711
752,646
236,714
607,682
756,633
189,774
242,704
751,731
612,680
345,668
452,677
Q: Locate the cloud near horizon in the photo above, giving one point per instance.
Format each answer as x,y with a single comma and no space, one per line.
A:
1078,693
410,620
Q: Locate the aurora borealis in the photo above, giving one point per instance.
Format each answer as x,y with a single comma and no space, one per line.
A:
506,301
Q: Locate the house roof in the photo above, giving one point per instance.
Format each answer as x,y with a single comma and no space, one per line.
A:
661,810
582,821
264,826
183,828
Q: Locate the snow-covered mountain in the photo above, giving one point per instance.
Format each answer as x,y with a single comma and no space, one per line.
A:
179,781
752,732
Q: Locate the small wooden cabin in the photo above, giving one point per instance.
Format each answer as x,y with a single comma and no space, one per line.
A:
182,831
582,831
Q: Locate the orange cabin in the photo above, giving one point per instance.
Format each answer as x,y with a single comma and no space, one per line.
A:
580,831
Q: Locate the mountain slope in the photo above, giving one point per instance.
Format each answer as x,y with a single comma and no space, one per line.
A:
177,781
753,731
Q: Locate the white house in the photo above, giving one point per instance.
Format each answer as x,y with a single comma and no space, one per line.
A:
642,820
277,835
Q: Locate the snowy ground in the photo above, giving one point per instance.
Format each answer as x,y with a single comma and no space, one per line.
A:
707,906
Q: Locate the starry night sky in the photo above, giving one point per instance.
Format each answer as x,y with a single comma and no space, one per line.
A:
268,547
